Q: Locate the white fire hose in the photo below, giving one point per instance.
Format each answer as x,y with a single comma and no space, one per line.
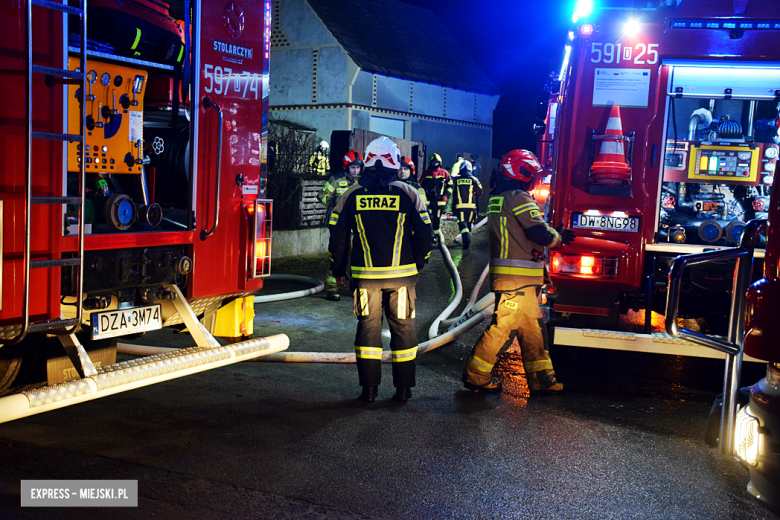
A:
471,316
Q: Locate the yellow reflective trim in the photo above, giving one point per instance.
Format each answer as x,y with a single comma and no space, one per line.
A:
495,204
538,366
404,355
522,271
387,268
137,39
363,241
465,206
399,239
328,187
368,352
504,237
521,206
383,276
334,218
480,364
181,54
524,210
363,295
402,303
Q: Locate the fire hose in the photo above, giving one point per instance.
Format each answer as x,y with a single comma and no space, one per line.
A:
472,315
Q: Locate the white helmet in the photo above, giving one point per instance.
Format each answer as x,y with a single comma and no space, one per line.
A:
324,145
384,152
465,165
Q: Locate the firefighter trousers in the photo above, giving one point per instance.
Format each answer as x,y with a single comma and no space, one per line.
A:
398,304
435,210
517,315
465,219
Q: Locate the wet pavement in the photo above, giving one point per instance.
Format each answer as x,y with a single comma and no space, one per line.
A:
290,441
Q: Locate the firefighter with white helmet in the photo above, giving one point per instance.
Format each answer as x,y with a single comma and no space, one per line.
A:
329,195
437,183
466,194
318,161
518,235
391,242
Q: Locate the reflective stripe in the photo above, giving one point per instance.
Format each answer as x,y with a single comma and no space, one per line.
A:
137,39
524,207
363,295
181,54
330,279
399,239
425,217
328,187
480,364
428,255
402,303
368,352
465,206
517,271
377,273
442,203
330,256
334,217
464,230
504,237
509,262
363,241
538,366
404,355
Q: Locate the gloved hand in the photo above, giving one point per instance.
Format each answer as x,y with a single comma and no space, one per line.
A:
445,198
567,235
341,281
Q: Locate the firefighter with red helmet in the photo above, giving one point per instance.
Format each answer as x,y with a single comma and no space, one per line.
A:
437,183
518,235
467,192
391,242
407,174
329,195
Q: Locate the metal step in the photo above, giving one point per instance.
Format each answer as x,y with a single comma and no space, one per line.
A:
55,200
38,264
58,7
51,325
51,136
62,73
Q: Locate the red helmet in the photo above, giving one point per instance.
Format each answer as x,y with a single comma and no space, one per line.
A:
520,165
405,161
352,157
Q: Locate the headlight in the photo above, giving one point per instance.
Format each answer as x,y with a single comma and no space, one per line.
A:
747,440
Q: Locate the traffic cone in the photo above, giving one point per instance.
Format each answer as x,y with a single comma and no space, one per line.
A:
609,165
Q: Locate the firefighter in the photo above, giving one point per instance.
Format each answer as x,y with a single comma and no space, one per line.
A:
391,242
437,183
407,174
467,192
329,195
518,235
456,167
318,161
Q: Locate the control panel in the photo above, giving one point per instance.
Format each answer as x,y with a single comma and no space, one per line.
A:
114,118
720,163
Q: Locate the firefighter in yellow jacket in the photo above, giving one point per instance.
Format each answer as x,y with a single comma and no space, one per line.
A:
518,235
391,242
318,161
329,195
468,190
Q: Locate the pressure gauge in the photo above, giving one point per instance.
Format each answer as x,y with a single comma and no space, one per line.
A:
771,152
92,76
105,79
769,167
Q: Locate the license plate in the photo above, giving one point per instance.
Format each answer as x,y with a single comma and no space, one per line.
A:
605,222
110,324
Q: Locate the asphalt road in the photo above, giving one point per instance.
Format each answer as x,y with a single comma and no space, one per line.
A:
290,441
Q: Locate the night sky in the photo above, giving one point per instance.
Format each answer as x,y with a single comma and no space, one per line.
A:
517,43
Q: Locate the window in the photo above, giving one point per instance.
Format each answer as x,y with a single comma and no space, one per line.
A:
387,126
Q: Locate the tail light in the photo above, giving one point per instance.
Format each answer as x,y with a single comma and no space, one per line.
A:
586,265
260,215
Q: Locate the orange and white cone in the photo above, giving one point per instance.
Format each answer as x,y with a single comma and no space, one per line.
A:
610,163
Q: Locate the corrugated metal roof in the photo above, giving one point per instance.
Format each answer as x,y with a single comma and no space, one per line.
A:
397,39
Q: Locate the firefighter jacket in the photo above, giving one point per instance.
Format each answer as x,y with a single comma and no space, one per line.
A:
319,163
456,167
413,183
468,190
334,188
518,235
437,184
391,233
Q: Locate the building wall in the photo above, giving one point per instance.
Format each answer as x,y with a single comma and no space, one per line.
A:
324,121
448,139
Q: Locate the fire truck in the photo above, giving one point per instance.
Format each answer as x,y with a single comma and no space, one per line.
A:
133,187
665,143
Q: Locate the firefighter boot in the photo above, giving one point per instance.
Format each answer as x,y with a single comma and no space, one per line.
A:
368,395
490,388
402,394
466,239
333,296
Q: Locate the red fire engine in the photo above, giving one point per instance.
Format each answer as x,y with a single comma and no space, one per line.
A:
133,178
666,142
